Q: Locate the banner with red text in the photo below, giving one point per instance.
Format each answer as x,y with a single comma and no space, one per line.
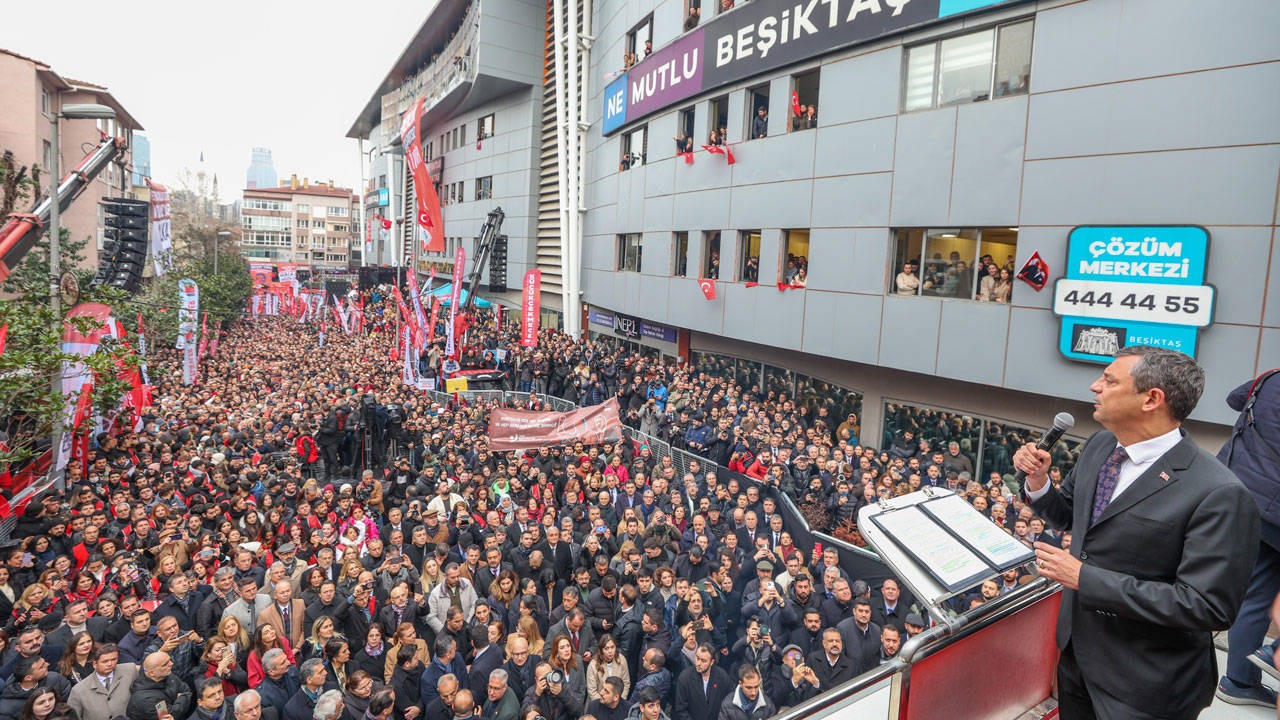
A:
531,308
430,221
530,429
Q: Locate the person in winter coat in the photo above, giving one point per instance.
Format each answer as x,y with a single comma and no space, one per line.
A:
90,699
29,674
747,702
157,684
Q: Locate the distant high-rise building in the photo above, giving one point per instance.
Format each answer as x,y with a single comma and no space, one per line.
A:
262,170
141,160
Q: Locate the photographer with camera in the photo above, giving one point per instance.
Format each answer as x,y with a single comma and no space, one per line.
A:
551,696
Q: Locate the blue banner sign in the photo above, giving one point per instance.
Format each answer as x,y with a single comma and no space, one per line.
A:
1133,285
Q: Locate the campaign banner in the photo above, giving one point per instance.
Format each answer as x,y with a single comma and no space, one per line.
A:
511,429
77,378
161,240
430,221
288,273
188,314
262,274
418,314
456,292
435,317
759,37
530,308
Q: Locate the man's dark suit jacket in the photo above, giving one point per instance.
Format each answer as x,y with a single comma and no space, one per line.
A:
691,703
1167,563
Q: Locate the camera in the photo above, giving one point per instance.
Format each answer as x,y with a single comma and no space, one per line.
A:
555,677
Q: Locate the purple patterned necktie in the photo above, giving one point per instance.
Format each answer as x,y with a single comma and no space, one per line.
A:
1108,477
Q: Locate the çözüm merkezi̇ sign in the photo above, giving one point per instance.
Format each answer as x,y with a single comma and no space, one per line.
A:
1133,285
761,36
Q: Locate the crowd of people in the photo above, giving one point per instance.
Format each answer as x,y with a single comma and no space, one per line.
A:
301,535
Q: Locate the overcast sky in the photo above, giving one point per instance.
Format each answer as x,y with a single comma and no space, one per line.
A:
222,78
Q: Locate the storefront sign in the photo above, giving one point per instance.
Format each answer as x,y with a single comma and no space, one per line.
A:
377,198
631,327
761,36
1133,285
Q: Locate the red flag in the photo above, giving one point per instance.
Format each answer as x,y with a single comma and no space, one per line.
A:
430,221
714,149
688,158
708,288
1035,272
752,284
478,141
386,223
4,336
728,155
795,103
435,315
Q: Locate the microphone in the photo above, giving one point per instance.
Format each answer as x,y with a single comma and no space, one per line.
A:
1062,422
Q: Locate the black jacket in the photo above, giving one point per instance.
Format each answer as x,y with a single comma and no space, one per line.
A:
147,693
691,703
186,618
299,707
831,675
277,693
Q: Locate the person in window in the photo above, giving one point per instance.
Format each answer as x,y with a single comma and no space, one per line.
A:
801,279
713,266
811,117
1002,290
726,5
648,44
751,271
690,21
797,122
760,123
907,282
961,280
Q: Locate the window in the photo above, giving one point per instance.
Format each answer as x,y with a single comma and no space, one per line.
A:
804,88
484,187
795,266
711,254
965,264
339,211
462,135
685,142
46,103
679,254
692,14
302,207
639,42
634,148
749,256
484,127
47,154
724,5
718,120
977,66
629,252
757,112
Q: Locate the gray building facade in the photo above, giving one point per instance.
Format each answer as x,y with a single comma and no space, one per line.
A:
993,130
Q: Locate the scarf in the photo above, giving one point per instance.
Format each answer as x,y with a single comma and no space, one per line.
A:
375,651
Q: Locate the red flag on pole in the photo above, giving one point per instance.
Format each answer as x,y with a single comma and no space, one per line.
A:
688,158
4,336
795,103
728,155
429,220
708,288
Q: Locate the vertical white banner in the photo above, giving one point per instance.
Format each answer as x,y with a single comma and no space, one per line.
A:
161,243
188,314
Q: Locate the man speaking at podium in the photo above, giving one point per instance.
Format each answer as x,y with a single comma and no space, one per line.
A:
1164,543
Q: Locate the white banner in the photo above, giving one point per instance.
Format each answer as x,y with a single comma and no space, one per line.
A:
161,242
188,314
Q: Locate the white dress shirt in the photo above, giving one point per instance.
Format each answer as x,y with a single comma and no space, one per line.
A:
1141,456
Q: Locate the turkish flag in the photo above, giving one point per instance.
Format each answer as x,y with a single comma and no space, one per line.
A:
688,158
728,155
386,223
714,149
708,288
1035,272
795,103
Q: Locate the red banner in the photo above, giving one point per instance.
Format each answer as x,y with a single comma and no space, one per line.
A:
530,308
435,315
529,429
455,295
430,222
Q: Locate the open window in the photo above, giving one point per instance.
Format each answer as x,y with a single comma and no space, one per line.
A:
484,127
692,14
684,139
718,120
757,112
803,109
795,264
634,148
711,254
959,263
629,248
484,187
749,256
679,254
639,42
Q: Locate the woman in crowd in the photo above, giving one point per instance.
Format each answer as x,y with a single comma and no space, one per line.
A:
265,638
372,657
75,665
220,661
322,631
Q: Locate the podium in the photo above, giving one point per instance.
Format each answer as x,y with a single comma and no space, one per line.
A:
940,547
